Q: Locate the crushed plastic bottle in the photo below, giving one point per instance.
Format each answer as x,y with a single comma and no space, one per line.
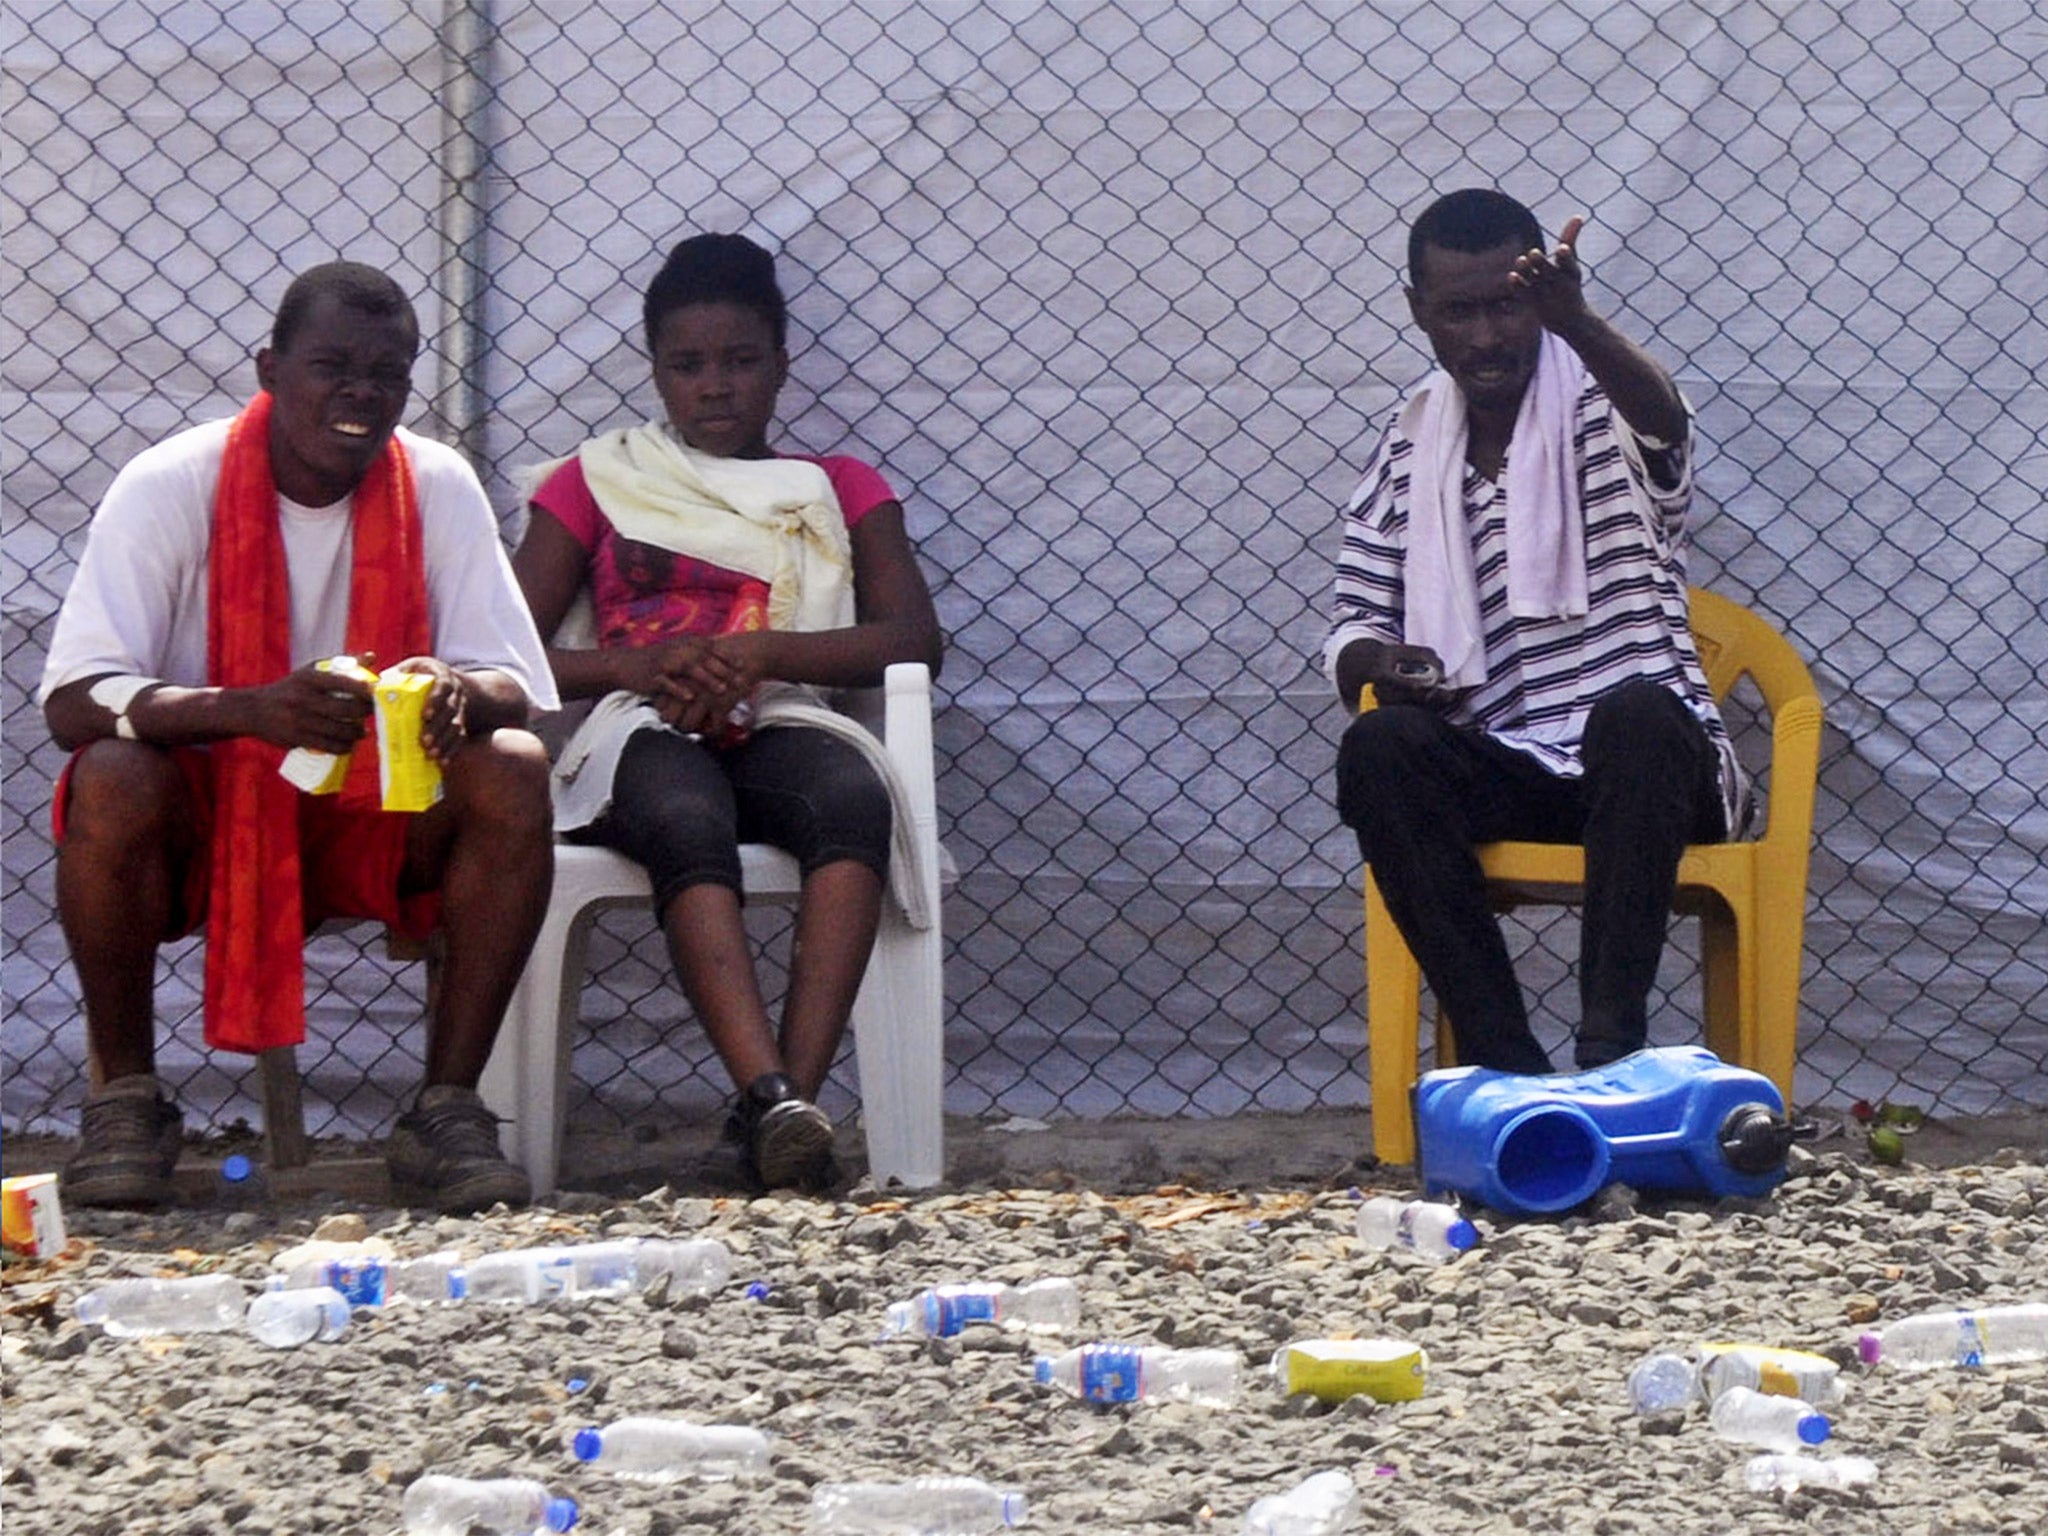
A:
923,1506
1321,1505
1128,1373
656,1450
1780,1372
1428,1227
285,1318
130,1309
1771,1473
945,1310
1968,1338
1775,1423
1331,1370
1663,1383
439,1505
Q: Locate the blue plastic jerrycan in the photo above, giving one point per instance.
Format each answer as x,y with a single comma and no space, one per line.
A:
1673,1119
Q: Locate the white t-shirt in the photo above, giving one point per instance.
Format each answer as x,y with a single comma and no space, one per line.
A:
137,605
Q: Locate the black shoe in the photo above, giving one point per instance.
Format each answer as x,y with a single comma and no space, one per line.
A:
789,1139
444,1153
128,1140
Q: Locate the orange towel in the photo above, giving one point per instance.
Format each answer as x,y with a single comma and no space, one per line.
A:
255,928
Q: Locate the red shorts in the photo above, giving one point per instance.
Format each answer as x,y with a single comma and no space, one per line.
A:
351,863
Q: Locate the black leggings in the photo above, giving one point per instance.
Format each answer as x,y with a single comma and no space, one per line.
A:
682,809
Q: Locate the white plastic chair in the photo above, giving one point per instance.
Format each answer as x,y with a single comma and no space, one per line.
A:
898,1018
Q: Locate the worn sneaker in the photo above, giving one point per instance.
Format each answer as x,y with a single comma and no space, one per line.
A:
128,1140
444,1153
789,1137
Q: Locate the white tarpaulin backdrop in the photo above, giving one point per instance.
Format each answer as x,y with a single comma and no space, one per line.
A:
1111,293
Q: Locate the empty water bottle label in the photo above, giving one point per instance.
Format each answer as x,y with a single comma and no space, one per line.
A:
948,1310
1110,1375
360,1281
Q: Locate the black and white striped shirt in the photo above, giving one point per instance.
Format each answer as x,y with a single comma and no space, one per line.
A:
1543,675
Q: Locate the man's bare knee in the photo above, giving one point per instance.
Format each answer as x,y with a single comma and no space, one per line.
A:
502,777
123,791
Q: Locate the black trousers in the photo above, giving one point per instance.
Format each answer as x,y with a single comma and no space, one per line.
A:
682,809
1421,795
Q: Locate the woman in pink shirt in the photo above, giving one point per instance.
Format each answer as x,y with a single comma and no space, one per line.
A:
684,531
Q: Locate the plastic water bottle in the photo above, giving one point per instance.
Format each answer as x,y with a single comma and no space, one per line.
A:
688,1263
131,1308
924,1506
1977,1337
1771,1474
1321,1505
945,1310
437,1505
1775,1423
1434,1230
241,1185
532,1275
1129,1373
1663,1383
663,1450
371,1280
286,1318
428,1278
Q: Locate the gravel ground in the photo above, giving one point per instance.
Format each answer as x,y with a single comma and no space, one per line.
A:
1523,1426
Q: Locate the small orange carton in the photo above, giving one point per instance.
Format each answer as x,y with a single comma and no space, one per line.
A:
31,1220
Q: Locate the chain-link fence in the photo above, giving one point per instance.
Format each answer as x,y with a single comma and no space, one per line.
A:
1111,292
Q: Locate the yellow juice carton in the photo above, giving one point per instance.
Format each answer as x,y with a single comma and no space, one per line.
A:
321,773
31,1220
412,780
1332,1369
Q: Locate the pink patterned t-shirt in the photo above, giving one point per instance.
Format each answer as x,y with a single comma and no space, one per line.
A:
644,594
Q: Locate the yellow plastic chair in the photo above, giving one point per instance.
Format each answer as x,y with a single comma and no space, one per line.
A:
1750,897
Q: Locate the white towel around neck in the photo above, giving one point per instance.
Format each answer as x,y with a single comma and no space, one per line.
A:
1546,521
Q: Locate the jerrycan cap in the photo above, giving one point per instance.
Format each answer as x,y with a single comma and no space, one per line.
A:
1754,1139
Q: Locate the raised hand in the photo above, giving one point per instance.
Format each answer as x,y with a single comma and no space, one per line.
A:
1554,280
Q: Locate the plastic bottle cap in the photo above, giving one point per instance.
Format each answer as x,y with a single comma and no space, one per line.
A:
1870,1349
561,1514
1460,1234
1813,1429
588,1445
236,1168
1013,1508
1043,1371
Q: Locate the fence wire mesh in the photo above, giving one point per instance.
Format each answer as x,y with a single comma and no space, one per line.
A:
1111,291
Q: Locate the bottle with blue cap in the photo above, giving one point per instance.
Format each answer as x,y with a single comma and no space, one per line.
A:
241,1185
1134,1373
653,1450
940,1312
1427,1227
1764,1419
439,1505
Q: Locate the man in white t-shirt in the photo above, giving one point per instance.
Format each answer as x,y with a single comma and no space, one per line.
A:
220,566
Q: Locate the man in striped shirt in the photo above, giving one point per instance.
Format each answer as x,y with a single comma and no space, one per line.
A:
1512,585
